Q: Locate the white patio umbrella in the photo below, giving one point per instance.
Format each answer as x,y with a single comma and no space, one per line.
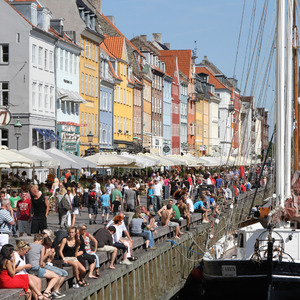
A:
84,163
163,161
142,161
191,161
15,159
112,160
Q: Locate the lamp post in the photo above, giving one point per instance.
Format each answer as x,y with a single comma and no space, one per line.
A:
90,140
18,126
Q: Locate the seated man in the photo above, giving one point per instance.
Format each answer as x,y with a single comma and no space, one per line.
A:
184,212
201,206
165,220
105,242
213,205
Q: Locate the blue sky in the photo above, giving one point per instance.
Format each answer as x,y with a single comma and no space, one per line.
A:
214,24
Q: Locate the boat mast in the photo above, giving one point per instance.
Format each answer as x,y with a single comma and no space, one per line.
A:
279,92
295,96
289,94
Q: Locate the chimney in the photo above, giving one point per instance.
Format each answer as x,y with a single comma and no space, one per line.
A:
168,45
58,25
43,18
111,19
156,37
143,37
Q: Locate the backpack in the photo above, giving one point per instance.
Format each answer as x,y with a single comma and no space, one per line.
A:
77,201
65,203
92,198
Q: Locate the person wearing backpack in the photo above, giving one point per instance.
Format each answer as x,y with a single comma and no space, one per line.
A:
76,204
92,204
65,207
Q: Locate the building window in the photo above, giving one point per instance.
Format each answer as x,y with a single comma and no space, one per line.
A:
51,60
71,63
4,137
96,125
51,98
46,97
4,55
67,62
75,64
82,83
33,54
40,96
61,59
4,93
33,94
46,59
40,57
86,84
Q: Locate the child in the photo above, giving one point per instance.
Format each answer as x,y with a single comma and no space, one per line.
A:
105,205
116,205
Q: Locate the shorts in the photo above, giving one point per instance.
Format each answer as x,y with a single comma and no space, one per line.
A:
60,272
107,248
93,210
173,224
105,210
71,258
38,225
24,226
121,246
39,272
75,211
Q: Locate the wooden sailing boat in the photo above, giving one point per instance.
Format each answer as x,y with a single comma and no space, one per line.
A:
258,262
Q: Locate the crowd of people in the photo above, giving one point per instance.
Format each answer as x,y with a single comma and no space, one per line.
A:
26,211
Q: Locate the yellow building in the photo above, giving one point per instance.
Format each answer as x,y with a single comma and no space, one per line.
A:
123,96
89,90
202,127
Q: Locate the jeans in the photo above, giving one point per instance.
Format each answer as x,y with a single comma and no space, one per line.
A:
151,238
157,203
96,257
60,272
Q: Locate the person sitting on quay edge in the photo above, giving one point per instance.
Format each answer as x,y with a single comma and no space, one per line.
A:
6,218
184,211
105,243
166,216
201,206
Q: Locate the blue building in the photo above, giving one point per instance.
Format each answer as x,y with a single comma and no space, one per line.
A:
167,113
106,105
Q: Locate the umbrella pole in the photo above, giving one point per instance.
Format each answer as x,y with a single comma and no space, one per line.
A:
103,174
0,176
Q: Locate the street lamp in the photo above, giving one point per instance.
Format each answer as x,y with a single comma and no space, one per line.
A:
18,126
90,140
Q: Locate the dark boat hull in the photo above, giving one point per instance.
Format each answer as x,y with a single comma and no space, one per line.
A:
238,279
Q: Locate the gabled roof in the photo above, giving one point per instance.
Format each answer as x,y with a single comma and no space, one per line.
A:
143,45
113,71
211,78
171,64
104,48
115,45
184,58
120,33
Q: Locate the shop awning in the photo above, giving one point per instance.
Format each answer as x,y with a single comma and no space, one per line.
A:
72,96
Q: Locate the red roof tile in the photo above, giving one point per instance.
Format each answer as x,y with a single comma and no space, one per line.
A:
111,24
211,78
184,59
115,45
103,46
171,64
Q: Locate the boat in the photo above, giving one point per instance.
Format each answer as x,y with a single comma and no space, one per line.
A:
262,259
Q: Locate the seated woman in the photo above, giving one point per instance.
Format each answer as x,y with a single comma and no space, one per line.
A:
136,227
68,251
88,238
35,283
8,280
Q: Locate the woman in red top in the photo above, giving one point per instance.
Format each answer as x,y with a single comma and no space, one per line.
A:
8,280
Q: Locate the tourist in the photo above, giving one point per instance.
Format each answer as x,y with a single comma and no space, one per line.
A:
21,268
129,199
105,243
92,204
55,186
88,238
137,222
201,206
68,252
35,258
116,192
104,199
6,219
165,220
150,202
23,214
39,210
116,205
76,204
184,211
157,194
13,203
68,175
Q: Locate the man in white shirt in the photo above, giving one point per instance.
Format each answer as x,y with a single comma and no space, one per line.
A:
157,194
190,204
98,187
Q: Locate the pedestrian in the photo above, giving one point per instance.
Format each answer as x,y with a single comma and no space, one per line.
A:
65,208
92,204
6,219
76,205
39,210
23,214
157,195
105,198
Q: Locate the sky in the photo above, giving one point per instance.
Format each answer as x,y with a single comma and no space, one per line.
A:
213,24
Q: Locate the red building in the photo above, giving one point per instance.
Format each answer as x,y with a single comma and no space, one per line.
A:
172,70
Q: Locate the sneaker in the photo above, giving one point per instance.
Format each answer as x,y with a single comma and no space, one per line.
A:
59,294
125,262
152,248
56,296
76,286
95,222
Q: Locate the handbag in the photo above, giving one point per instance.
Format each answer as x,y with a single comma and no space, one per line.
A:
90,258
